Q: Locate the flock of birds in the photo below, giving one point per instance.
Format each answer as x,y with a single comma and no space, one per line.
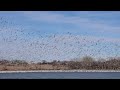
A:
57,45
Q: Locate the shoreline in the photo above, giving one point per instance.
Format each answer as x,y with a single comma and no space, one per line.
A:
60,71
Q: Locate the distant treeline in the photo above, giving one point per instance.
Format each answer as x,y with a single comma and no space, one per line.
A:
87,63
13,62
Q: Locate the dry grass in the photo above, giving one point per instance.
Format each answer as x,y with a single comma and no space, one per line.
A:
31,67
87,63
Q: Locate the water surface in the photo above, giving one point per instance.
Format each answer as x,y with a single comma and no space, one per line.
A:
61,75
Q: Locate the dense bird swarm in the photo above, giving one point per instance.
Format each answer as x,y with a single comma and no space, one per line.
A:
55,45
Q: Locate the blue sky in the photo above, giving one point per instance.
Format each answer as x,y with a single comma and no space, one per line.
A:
59,35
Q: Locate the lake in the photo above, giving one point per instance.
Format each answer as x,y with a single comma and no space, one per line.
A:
61,75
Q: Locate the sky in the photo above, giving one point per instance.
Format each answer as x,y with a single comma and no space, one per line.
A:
59,35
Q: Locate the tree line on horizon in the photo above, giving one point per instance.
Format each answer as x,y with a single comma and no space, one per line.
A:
87,63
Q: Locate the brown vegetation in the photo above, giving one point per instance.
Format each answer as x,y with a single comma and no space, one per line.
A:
87,63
